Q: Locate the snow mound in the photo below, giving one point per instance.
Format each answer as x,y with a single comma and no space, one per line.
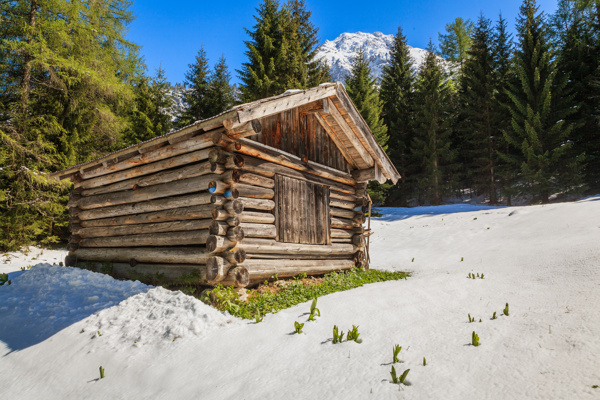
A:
158,315
48,298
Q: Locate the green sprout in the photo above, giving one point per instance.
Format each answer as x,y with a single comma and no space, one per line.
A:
298,327
475,339
101,372
403,376
353,335
494,316
424,361
337,338
313,309
396,350
505,311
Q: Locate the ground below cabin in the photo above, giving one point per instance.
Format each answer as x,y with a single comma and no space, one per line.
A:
60,324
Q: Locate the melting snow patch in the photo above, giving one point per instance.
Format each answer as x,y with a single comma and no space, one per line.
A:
158,315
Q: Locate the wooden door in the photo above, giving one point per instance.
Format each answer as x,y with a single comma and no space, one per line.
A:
301,211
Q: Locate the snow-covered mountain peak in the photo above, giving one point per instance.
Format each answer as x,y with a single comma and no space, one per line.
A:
340,52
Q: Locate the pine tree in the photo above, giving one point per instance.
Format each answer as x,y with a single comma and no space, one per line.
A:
396,93
64,90
197,81
478,107
141,126
361,88
579,62
432,123
258,74
160,90
455,44
220,92
539,109
317,71
503,73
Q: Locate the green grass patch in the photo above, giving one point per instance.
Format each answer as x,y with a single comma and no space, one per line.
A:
276,296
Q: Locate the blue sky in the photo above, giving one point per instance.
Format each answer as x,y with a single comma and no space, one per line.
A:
171,33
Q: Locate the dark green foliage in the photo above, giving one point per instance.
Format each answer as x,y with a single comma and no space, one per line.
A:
197,80
471,319
281,52
227,298
63,101
396,93
393,374
424,361
4,279
539,106
494,315
479,128
220,92
575,31
432,123
159,89
101,372
362,89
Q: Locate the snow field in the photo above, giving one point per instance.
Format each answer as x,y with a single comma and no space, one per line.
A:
543,260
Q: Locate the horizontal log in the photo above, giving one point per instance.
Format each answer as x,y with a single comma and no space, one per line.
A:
237,276
218,199
256,217
257,204
168,189
218,228
168,272
343,223
341,240
183,238
342,234
218,155
146,207
234,255
219,214
195,143
364,175
217,186
269,169
258,150
234,207
202,211
359,241
298,256
342,204
259,270
173,162
217,268
186,172
159,255
269,246
342,196
255,192
342,212
136,229
218,244
259,230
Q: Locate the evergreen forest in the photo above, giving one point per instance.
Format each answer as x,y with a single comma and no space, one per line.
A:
491,116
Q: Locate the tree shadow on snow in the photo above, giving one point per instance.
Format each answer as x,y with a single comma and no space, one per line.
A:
400,213
46,299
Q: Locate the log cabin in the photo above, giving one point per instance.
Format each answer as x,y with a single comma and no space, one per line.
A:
276,187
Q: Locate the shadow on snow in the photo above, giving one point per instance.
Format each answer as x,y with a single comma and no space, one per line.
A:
400,213
46,299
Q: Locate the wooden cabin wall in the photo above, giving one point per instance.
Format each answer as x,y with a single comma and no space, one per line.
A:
254,169
155,213
206,205
300,134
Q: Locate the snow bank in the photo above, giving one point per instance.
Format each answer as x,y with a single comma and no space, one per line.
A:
156,316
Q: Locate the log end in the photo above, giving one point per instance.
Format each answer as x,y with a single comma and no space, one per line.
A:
241,276
215,269
70,260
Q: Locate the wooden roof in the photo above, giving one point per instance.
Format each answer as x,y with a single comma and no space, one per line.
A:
336,113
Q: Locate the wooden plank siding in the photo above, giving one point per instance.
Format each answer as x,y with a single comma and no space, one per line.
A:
300,134
302,211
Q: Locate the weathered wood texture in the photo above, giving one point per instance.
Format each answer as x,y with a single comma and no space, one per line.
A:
169,272
269,246
182,238
302,210
134,255
300,134
122,229
145,207
259,270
